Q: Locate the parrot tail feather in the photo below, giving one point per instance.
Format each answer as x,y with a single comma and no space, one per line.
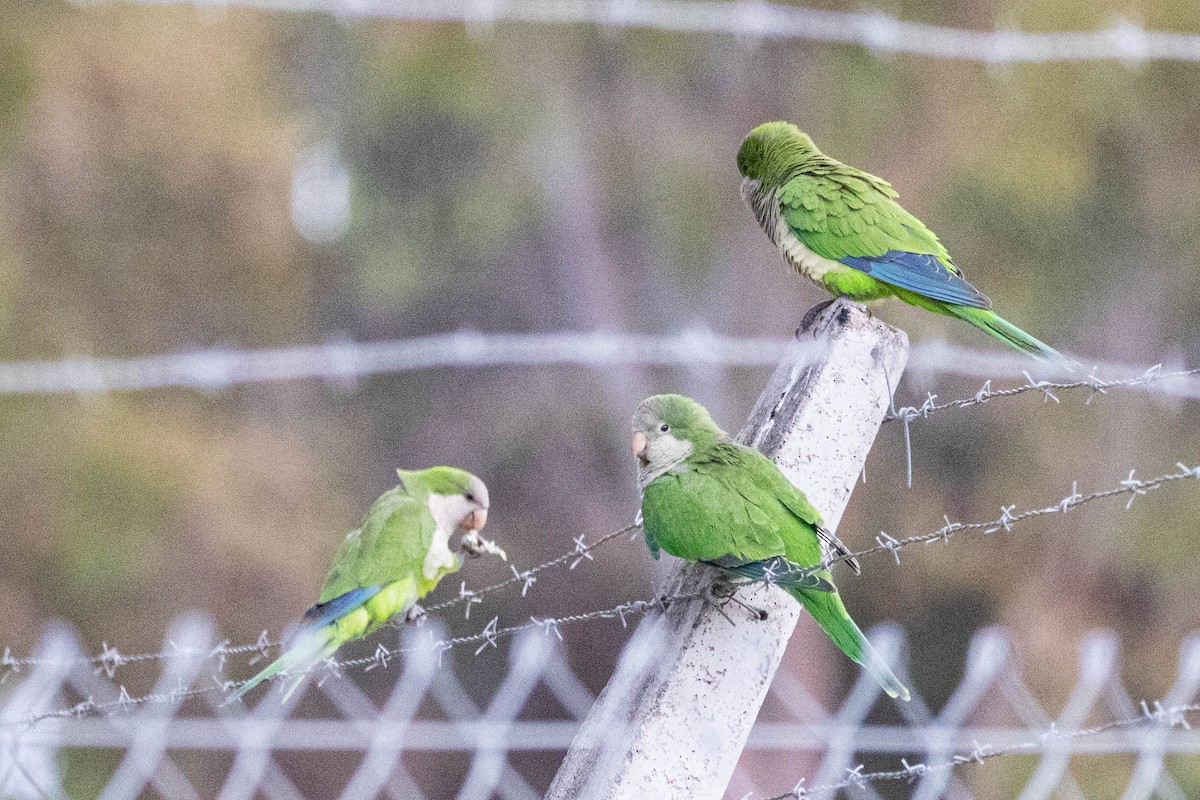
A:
830,613
310,647
992,323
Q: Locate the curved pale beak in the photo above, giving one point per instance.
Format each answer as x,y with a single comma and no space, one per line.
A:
476,519
639,446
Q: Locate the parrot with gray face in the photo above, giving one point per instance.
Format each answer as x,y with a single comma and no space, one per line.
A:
706,498
395,557
842,228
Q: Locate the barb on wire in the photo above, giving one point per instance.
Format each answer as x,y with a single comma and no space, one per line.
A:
1094,384
110,658
1051,739
527,578
1130,486
489,636
876,31
492,632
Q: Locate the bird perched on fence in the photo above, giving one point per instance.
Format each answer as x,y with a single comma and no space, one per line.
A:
398,554
843,229
706,498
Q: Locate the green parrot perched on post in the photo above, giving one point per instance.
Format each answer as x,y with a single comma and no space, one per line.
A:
707,498
396,557
842,228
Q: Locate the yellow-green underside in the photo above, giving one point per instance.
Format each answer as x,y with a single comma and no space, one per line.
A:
395,598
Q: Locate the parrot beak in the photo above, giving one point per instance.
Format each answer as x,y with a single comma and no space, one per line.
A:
476,519
639,446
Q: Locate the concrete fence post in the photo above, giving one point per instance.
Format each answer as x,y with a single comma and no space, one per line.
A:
675,716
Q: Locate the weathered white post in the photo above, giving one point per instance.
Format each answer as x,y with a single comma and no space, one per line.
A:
674,718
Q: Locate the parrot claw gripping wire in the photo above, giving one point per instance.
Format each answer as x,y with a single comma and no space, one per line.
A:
724,592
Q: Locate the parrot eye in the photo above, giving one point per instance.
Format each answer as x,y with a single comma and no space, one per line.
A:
664,427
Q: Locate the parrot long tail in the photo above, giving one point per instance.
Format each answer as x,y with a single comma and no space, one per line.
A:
830,613
310,646
991,322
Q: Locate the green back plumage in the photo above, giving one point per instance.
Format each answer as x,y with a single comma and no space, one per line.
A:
839,211
872,247
391,543
730,501
835,209
724,498
730,506
378,572
396,532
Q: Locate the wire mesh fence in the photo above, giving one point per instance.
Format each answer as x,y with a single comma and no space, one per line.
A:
430,733
64,707
436,734
413,719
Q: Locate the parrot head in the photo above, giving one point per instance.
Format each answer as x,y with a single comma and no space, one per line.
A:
770,151
463,496
667,428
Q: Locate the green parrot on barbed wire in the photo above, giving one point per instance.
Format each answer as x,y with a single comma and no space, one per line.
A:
396,557
843,229
707,498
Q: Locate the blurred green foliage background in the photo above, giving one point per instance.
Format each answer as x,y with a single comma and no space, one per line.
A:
524,178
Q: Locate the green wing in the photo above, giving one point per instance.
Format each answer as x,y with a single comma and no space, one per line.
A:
838,214
798,504
852,217
731,508
392,543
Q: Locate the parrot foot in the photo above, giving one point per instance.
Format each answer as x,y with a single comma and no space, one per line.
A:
759,614
719,604
811,315
415,613
724,592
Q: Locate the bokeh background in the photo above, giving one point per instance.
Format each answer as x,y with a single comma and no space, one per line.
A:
174,178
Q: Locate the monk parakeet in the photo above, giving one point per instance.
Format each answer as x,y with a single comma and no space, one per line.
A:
396,557
707,498
843,229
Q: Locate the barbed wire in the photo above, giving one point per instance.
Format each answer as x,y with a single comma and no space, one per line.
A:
1131,486
492,633
1154,376
1152,715
1093,383
878,32
110,658
488,637
582,552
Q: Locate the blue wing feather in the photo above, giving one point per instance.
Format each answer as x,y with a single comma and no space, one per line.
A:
921,273
338,607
